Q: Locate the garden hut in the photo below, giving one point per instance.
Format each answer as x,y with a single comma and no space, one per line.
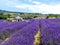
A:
18,18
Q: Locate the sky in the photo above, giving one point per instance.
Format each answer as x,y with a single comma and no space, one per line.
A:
31,6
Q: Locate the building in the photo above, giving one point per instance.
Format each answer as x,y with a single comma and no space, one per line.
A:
16,18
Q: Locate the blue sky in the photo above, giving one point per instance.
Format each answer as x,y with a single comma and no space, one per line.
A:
31,6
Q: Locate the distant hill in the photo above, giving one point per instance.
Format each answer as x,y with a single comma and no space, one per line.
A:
26,15
4,11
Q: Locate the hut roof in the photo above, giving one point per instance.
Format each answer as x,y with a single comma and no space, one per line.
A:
18,17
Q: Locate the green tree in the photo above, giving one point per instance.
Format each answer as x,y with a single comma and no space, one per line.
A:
9,15
35,16
1,13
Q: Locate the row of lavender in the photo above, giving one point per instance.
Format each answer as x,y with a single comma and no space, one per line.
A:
18,33
8,28
50,31
22,33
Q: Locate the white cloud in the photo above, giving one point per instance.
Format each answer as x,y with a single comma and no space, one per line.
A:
8,3
55,9
37,7
36,2
43,8
28,0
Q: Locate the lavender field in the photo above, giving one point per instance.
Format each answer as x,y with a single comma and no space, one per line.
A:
34,32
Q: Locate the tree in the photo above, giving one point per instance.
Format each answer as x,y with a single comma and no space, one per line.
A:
1,13
47,17
9,15
35,16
